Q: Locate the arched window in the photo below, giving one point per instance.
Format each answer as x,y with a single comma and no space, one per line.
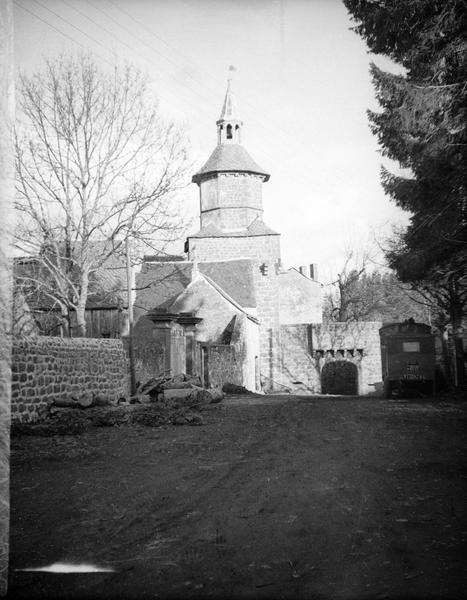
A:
229,132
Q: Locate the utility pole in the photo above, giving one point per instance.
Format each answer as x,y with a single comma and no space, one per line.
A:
131,352
6,273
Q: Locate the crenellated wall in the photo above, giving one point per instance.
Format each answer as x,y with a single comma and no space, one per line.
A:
49,368
306,349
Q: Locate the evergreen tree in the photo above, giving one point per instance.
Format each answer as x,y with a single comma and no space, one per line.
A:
422,125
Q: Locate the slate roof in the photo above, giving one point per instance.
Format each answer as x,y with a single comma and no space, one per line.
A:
160,283
257,227
235,277
229,158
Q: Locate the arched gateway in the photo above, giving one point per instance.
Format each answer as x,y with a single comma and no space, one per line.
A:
339,377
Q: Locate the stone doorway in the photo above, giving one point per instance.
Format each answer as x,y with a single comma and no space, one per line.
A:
339,377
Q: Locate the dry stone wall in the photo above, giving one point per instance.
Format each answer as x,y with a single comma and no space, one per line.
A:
49,368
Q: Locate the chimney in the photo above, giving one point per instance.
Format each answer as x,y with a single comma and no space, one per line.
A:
314,272
302,270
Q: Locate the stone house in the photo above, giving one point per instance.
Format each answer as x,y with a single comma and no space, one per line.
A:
221,296
232,278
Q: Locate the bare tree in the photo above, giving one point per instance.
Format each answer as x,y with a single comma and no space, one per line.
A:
96,164
346,301
363,293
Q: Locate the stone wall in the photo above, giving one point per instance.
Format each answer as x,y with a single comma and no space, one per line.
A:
307,349
231,200
223,366
246,341
48,368
300,299
299,370
264,248
267,294
358,342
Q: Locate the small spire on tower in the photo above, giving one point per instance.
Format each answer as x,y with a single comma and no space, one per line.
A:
229,123
229,109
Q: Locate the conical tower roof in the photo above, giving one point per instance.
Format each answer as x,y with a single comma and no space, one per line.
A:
229,108
229,158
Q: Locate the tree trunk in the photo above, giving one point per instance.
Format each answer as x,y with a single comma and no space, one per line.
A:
446,359
459,365
81,308
81,320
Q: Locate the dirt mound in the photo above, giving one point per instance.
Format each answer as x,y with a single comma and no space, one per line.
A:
69,421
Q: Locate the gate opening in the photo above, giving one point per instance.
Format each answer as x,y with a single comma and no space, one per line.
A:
339,377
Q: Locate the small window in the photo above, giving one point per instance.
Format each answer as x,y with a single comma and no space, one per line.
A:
410,346
229,132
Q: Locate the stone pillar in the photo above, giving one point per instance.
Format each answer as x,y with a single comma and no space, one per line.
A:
173,330
177,349
161,332
189,323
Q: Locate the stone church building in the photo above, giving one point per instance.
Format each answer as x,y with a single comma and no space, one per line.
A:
229,310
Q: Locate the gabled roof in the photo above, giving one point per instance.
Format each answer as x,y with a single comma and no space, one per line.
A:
257,227
160,283
229,158
175,307
235,277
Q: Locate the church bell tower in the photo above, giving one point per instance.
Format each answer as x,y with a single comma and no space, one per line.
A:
230,191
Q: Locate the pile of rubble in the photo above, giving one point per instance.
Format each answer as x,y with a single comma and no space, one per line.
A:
177,400
183,390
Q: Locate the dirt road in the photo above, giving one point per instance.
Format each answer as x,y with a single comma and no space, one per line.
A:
293,497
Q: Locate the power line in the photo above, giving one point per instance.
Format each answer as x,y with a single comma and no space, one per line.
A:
264,143
70,24
81,31
188,60
49,24
177,99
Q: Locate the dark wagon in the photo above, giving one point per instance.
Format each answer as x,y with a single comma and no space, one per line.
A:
408,358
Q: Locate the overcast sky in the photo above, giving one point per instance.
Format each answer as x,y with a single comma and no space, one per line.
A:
302,85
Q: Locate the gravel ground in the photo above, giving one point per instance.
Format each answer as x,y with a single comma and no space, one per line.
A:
271,497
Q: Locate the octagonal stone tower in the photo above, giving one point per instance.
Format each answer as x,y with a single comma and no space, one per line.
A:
231,205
